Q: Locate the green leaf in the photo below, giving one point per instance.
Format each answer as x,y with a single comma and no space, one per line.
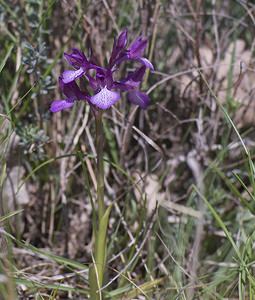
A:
3,174
9,51
96,273
9,215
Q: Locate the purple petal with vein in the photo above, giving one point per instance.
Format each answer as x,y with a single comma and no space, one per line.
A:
70,75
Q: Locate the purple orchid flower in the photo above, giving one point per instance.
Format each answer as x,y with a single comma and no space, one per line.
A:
103,85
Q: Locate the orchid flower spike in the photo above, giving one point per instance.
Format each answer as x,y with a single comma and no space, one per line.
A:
103,87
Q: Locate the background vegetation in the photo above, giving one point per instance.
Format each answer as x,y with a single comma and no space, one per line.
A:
180,174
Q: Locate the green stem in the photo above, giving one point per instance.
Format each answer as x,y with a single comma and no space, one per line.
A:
100,164
96,275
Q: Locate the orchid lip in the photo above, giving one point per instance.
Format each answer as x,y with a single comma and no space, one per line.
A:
105,98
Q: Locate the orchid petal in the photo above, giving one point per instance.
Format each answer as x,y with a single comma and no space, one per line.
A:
122,39
118,48
137,47
76,59
70,75
105,98
59,105
139,98
137,75
92,82
72,90
145,62
127,85
132,81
